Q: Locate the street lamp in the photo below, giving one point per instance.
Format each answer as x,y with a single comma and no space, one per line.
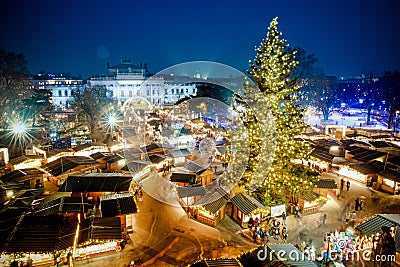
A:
19,135
19,129
112,121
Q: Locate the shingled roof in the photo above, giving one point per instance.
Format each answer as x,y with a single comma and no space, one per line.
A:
117,204
391,174
22,158
193,167
373,225
113,158
222,262
106,228
20,175
63,204
327,183
250,258
246,204
364,154
183,177
190,191
322,154
65,164
214,201
135,166
97,182
40,234
290,250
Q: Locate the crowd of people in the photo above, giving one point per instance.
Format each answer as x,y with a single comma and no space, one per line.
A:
272,229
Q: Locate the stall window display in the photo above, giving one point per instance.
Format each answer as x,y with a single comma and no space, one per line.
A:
340,247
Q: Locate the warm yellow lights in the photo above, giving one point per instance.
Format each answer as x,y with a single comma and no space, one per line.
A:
272,69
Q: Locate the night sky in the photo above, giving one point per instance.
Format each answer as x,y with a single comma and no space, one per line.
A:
80,37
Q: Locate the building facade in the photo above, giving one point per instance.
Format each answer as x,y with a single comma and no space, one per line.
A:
61,85
127,80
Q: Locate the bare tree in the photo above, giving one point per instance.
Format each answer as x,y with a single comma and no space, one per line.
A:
14,84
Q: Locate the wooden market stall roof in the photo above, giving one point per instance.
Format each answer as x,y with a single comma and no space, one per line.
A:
155,146
67,163
20,175
289,249
364,154
183,178
327,184
390,174
97,182
373,225
190,191
117,204
105,228
322,154
246,204
23,158
250,258
222,262
113,158
40,234
135,166
62,205
176,153
214,200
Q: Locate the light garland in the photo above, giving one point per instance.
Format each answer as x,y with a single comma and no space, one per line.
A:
271,70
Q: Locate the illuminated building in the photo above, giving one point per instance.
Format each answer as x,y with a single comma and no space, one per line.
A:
61,85
127,80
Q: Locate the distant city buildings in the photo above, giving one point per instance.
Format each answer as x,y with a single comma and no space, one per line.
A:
127,80
61,85
123,81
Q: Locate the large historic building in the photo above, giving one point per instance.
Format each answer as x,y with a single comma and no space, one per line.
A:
123,81
61,85
127,80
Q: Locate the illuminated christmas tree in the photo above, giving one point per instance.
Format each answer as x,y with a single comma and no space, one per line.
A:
272,70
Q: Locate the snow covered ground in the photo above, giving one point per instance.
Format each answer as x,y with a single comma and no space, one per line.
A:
349,121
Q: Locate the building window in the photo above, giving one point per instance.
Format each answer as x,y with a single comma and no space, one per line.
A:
165,91
130,93
122,93
173,91
59,93
148,92
66,93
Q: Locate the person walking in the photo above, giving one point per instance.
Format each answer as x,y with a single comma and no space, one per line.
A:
324,219
283,218
284,234
250,223
341,184
255,222
348,185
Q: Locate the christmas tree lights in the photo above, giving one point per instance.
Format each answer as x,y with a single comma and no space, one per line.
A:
272,69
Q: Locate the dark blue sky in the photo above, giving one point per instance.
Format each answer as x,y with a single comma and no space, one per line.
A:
348,37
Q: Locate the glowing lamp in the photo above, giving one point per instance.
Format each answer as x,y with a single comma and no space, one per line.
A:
19,128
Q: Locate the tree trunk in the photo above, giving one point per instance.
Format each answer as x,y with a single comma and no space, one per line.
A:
325,113
390,120
369,115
